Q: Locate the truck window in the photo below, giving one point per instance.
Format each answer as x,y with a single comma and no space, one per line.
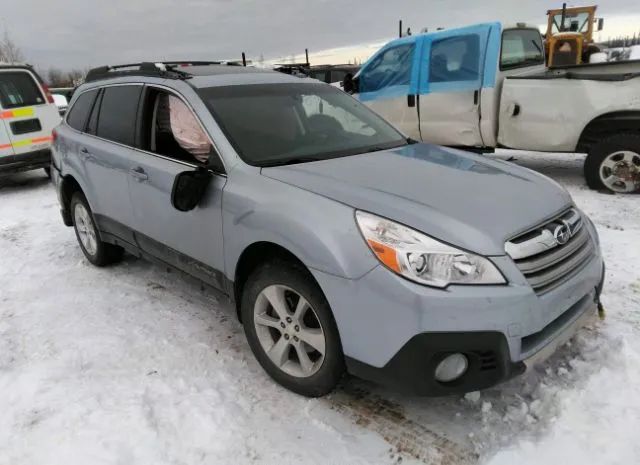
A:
392,67
521,47
19,89
455,59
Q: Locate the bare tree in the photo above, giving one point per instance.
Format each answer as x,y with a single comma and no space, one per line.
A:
9,50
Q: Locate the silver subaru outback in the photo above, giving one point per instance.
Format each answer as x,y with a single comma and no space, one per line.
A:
345,246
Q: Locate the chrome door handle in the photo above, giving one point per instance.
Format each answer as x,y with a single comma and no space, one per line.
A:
138,173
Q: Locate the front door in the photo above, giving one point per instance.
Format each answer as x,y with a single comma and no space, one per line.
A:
451,81
191,241
388,84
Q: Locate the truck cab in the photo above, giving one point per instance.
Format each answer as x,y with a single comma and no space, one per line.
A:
444,87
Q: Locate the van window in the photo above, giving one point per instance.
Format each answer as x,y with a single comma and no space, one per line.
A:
455,59
19,89
80,110
521,47
390,68
117,119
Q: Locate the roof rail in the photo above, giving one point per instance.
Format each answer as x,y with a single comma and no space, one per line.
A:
164,69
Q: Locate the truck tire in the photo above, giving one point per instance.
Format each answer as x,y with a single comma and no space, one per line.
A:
613,164
291,330
97,252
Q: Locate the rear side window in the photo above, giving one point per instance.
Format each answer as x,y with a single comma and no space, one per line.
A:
521,47
390,68
117,120
80,110
19,89
455,59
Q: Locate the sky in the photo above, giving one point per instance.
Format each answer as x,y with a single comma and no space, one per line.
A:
84,33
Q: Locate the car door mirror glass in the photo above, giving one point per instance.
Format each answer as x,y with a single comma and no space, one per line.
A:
189,188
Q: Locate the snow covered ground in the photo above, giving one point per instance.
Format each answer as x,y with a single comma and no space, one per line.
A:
133,364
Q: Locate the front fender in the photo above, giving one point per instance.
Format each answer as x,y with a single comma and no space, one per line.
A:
320,232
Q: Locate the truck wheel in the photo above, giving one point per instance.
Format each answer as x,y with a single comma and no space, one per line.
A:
614,164
290,329
97,252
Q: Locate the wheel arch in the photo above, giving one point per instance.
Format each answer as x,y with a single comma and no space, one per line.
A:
68,186
257,254
608,124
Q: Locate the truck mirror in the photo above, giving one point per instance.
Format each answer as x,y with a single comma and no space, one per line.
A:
350,84
600,24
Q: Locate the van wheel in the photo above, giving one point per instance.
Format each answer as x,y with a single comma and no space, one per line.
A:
97,252
290,329
614,164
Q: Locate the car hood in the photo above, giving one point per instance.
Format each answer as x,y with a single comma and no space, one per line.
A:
458,197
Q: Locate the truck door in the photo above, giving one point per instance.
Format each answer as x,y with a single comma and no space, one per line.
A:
388,84
451,82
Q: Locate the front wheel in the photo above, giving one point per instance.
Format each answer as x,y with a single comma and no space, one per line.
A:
291,330
613,164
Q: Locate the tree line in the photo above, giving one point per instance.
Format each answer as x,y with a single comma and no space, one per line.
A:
10,52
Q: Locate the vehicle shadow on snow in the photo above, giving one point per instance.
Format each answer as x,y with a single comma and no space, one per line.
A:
30,179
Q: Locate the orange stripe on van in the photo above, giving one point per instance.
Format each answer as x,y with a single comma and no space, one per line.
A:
41,139
5,146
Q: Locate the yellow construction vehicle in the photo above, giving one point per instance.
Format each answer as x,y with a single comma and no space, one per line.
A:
569,37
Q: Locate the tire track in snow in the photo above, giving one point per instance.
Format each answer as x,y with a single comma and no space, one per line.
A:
407,438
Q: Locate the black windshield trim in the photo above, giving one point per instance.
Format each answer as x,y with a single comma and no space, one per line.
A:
284,89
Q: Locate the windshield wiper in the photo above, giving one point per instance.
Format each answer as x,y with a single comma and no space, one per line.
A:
289,161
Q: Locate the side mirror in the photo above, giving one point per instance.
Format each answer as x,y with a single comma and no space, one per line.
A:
189,188
350,84
600,24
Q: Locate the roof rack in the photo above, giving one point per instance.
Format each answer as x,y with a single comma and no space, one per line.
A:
164,69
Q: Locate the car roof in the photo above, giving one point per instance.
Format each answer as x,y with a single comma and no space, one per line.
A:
197,75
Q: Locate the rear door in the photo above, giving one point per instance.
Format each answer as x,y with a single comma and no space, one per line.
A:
28,118
451,81
106,153
388,84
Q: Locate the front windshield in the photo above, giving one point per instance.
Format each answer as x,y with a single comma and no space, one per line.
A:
573,22
277,124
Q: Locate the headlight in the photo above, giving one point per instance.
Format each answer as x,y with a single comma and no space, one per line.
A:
421,258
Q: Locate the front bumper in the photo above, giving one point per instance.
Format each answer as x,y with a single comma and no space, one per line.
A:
25,161
395,332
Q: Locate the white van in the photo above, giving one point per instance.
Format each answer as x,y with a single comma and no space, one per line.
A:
28,115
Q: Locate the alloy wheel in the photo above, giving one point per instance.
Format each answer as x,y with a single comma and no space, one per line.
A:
289,331
620,171
86,231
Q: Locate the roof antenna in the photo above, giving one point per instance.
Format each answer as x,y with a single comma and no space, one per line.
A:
306,53
400,29
244,59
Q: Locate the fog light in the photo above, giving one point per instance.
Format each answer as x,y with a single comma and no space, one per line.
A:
451,368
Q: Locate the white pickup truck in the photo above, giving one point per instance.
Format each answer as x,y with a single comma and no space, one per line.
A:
485,86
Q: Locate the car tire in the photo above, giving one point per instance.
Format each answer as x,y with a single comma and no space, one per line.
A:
97,252
613,164
287,284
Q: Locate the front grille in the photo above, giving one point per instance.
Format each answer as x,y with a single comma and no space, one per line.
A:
546,262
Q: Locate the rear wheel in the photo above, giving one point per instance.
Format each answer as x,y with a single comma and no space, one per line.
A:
290,329
97,252
613,164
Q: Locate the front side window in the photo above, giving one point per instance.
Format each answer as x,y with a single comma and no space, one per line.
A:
79,112
19,89
170,129
521,47
455,59
277,124
392,67
118,111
